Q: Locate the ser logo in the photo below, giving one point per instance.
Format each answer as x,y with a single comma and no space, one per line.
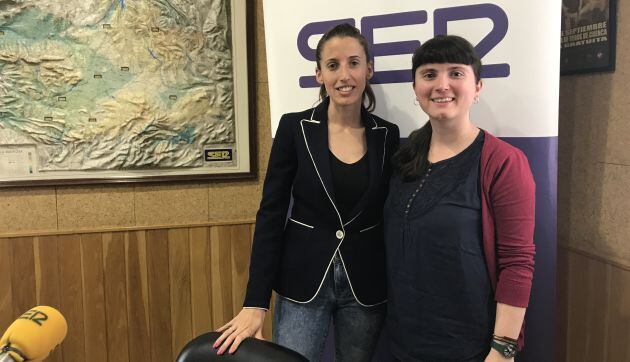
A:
223,154
441,18
36,316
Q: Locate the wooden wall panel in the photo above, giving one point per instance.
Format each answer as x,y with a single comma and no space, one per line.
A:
47,271
618,341
114,267
200,281
93,297
593,309
581,301
47,279
562,302
159,295
140,295
221,267
71,292
23,275
179,276
6,289
225,273
137,297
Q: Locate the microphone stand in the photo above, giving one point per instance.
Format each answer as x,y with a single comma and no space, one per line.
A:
5,357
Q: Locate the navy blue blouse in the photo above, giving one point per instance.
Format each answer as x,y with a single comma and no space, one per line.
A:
440,301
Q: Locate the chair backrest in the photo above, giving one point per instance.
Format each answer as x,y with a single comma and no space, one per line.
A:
251,350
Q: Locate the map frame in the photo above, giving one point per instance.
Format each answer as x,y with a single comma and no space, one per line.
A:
242,154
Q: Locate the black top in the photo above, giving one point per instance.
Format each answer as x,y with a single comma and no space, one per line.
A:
440,298
350,180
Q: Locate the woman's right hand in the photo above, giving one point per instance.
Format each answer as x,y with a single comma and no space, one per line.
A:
248,323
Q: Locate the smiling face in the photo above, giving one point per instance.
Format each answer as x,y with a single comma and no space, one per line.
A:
344,71
446,91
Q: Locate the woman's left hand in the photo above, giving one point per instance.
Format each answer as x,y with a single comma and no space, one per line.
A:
495,356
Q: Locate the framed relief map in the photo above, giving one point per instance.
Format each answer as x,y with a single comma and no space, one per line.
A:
95,91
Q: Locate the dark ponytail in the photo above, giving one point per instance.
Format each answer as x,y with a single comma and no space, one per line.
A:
412,157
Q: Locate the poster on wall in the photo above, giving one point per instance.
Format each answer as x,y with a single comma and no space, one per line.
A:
518,103
588,36
124,91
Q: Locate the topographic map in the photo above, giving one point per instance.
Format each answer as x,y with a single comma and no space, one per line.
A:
115,84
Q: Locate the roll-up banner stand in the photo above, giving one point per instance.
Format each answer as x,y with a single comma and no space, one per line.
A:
519,45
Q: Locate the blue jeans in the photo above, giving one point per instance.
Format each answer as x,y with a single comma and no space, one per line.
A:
303,327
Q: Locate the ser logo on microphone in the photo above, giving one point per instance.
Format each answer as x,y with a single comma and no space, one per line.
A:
35,316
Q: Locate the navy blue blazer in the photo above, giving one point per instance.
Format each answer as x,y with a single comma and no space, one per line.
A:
292,256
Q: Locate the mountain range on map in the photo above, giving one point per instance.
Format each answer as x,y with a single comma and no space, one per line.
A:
116,85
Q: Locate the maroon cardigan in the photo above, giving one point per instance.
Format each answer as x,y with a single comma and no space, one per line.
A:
507,212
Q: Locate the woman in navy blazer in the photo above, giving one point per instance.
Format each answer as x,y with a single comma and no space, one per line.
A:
326,260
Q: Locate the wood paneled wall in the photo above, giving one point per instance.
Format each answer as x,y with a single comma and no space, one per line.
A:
140,295
593,308
134,295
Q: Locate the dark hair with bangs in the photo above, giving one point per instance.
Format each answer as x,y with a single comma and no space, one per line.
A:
446,49
411,159
342,31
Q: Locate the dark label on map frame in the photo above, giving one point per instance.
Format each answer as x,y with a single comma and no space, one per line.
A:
222,154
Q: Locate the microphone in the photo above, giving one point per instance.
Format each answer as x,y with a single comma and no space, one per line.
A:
33,335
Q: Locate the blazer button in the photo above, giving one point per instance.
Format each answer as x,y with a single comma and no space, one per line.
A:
339,234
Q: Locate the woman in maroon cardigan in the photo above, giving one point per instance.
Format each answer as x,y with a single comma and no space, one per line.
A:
459,223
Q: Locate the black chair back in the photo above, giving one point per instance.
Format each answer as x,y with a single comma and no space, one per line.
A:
251,350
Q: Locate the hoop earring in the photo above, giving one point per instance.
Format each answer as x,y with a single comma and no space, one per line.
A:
476,100
416,102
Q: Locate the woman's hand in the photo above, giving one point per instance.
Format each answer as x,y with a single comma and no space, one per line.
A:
495,356
248,323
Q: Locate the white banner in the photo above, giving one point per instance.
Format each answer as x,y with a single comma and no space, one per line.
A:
518,41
